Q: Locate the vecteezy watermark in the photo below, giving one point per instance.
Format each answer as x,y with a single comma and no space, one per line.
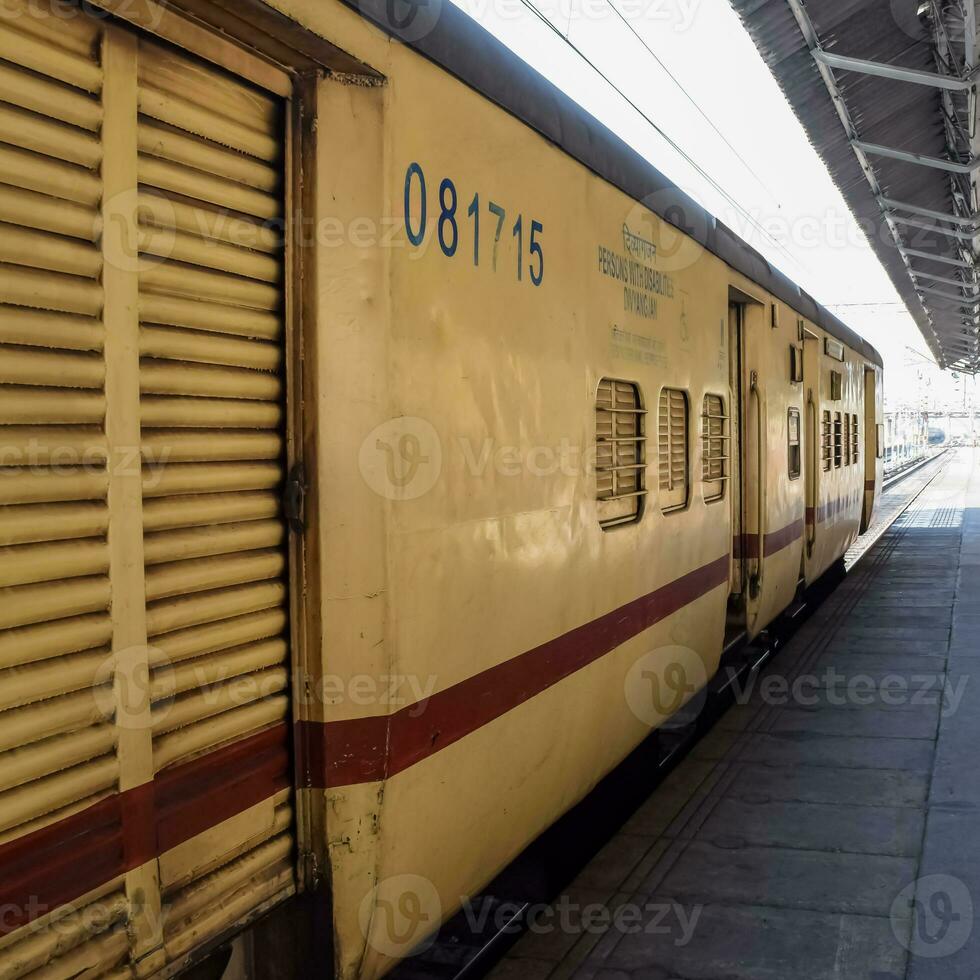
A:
49,457
835,689
572,918
148,15
666,688
401,916
940,908
401,459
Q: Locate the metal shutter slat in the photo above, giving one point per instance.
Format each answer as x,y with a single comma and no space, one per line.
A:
215,225
49,369
229,726
39,328
24,765
52,486
205,574
167,71
52,522
178,312
223,539
212,638
225,666
194,413
38,682
45,213
192,478
33,563
192,708
208,381
197,185
49,137
187,446
216,256
183,114
193,282
200,610
190,151
45,175
162,514
55,792
53,639
21,286
48,98
37,723
52,60
184,345
26,605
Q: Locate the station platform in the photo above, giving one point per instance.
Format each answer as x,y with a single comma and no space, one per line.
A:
827,828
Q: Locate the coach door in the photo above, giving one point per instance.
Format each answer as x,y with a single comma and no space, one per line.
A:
812,437
736,317
144,757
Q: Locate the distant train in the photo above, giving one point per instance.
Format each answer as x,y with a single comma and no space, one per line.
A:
387,449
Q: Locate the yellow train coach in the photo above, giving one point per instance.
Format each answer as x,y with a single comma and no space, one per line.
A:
381,440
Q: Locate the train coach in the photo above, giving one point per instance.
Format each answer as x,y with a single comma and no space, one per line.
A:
381,440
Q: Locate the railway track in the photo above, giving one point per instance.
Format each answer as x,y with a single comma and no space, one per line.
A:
474,940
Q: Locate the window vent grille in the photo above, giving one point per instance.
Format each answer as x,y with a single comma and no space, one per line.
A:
620,453
715,440
674,475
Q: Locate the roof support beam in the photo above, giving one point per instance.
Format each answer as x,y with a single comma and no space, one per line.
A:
966,221
896,73
917,274
922,159
963,300
963,236
939,258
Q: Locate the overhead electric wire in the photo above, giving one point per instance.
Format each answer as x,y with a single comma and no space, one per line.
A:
672,143
687,95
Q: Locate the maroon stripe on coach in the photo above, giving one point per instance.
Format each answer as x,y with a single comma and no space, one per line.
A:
344,753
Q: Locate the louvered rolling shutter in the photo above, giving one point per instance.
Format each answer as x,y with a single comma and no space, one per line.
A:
714,447
211,335
57,746
76,601
673,450
621,453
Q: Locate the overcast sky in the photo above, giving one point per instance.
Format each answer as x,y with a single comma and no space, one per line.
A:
751,146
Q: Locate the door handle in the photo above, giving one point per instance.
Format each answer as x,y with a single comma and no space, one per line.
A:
755,582
811,529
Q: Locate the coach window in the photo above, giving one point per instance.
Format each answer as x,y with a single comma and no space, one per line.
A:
855,439
838,440
795,445
847,438
826,442
714,447
620,453
674,475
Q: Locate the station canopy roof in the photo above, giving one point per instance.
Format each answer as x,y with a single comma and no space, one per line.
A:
887,92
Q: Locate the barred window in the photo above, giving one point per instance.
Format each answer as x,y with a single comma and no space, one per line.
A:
674,475
826,443
715,442
855,439
847,438
620,453
795,444
838,440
